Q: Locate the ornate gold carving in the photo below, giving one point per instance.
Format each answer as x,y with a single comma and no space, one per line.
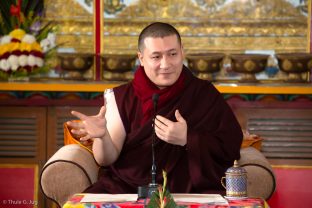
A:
249,65
295,63
75,31
113,6
160,9
212,25
287,65
201,65
112,64
75,24
74,66
78,62
118,63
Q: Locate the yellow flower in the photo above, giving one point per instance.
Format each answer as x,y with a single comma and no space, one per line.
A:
18,34
36,46
8,47
3,49
25,47
14,46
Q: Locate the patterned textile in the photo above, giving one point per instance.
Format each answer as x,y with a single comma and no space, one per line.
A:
74,202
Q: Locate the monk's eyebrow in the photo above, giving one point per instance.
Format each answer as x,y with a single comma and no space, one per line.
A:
168,51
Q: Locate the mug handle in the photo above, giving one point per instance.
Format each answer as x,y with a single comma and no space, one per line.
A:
222,183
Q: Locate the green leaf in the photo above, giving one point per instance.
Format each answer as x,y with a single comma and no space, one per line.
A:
162,197
43,32
5,13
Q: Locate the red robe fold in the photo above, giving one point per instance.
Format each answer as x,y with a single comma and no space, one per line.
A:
213,142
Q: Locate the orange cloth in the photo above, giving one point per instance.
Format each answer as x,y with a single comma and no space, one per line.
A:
69,138
252,142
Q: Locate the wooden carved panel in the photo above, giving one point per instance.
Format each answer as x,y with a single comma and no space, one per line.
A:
287,133
22,134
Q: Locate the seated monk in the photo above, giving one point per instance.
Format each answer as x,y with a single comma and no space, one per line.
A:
197,135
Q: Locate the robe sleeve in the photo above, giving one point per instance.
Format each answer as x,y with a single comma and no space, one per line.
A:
213,145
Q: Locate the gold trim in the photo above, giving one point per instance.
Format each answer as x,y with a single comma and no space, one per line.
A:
292,166
236,193
36,177
100,87
69,87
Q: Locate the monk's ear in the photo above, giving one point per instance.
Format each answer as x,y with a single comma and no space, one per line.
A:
140,56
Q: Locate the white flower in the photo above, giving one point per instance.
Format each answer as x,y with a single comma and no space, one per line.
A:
23,60
31,60
13,60
39,62
45,45
4,65
28,38
5,39
48,43
52,38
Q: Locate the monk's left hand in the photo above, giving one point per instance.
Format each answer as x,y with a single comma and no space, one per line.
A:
171,131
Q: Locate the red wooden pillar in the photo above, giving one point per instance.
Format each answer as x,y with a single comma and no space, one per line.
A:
309,27
97,24
309,48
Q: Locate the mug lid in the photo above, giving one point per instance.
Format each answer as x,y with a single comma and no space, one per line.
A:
236,169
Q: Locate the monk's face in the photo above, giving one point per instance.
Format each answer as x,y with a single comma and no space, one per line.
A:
162,59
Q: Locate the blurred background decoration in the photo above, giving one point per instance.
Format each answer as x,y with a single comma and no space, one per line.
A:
206,27
295,65
206,64
215,26
119,67
26,42
74,65
75,20
249,65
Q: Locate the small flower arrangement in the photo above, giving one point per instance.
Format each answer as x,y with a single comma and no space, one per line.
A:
25,41
162,198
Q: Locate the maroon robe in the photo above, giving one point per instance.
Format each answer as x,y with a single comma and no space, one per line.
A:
213,142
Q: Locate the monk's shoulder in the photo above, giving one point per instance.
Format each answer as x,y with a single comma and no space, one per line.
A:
205,86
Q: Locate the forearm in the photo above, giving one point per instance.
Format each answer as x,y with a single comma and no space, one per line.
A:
104,151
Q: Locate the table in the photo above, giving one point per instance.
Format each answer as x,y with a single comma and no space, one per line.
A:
75,202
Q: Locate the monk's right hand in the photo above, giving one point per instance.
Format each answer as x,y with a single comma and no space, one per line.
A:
90,127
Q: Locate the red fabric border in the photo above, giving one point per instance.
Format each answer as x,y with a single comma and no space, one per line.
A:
292,187
19,185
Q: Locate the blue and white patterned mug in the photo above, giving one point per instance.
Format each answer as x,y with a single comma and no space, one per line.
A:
235,181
